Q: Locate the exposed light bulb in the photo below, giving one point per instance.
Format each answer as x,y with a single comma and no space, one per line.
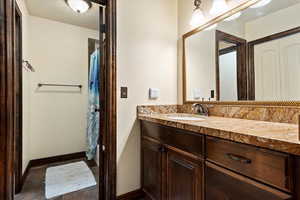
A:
79,6
261,3
219,6
233,17
211,27
197,18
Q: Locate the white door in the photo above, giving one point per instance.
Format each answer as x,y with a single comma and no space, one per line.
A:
290,67
267,71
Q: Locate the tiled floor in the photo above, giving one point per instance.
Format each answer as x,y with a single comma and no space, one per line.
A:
34,186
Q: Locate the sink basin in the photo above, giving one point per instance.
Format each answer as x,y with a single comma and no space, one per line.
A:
186,118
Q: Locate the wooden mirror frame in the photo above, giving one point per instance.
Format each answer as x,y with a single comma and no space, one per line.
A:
215,20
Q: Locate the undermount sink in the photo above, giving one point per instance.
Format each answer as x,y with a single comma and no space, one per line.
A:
186,118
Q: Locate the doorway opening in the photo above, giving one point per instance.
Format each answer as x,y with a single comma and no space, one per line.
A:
45,95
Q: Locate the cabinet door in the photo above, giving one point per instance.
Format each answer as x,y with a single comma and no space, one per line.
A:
152,169
184,176
222,184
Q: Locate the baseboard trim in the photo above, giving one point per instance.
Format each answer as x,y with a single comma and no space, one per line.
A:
24,176
55,159
134,195
51,160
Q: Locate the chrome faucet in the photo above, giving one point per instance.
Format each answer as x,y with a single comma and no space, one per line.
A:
200,109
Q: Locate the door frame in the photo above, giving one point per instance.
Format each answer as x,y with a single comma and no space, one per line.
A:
241,50
7,15
7,96
18,132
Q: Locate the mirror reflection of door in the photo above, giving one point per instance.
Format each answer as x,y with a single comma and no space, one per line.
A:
228,71
231,71
276,65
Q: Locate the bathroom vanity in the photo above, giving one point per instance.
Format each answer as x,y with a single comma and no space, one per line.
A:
218,158
246,63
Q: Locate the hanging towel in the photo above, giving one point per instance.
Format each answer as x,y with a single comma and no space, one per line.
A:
93,105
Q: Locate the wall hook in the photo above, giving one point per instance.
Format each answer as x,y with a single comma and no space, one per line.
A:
28,65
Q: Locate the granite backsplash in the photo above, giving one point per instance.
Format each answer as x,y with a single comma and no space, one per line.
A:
282,114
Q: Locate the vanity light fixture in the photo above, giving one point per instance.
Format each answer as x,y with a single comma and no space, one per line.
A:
261,3
233,17
198,16
79,6
219,6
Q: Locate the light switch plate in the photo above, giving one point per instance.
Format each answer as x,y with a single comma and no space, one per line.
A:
212,94
124,92
154,93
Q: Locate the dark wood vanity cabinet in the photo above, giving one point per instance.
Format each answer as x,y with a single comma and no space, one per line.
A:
170,173
222,184
267,166
183,165
152,175
184,177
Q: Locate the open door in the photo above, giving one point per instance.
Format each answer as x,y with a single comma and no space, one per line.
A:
108,102
18,118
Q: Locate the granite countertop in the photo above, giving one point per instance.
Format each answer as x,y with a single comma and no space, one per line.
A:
281,137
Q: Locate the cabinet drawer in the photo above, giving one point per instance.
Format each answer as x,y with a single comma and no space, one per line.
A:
224,184
181,139
264,165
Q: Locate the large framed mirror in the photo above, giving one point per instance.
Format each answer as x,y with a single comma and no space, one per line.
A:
249,55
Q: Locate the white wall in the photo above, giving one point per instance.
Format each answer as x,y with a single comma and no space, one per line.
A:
59,53
147,57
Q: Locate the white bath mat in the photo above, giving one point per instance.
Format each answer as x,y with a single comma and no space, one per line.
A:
68,178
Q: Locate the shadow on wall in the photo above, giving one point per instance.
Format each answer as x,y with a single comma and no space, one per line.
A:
69,91
129,163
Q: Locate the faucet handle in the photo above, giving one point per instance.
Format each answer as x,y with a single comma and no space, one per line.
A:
200,109
197,108
205,110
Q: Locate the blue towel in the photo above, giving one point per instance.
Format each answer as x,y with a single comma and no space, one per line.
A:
93,104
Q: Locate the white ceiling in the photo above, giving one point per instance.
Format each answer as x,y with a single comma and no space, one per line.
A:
59,11
276,5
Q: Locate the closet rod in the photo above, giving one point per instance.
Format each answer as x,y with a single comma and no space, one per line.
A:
59,85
